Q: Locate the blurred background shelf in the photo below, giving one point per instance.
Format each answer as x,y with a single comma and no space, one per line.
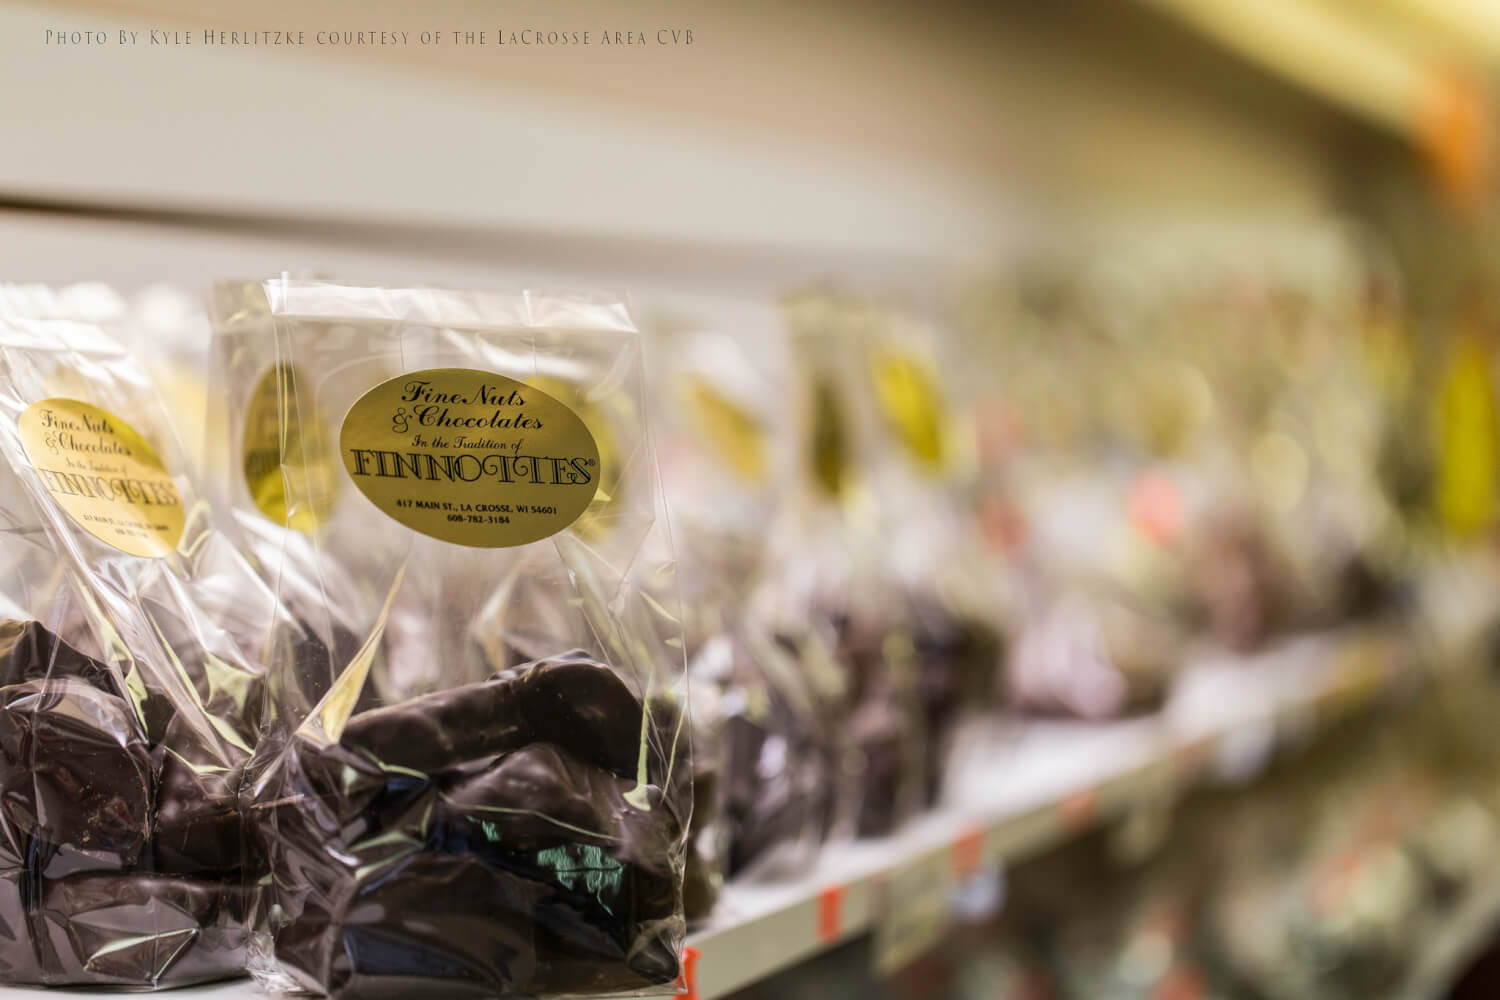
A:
1053,782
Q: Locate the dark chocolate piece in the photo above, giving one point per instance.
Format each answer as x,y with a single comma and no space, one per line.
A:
441,730
454,926
702,874
30,652
78,904
881,735
315,664
957,664
137,929
583,705
75,774
198,827
18,958
438,925
538,800
779,779
569,700
487,862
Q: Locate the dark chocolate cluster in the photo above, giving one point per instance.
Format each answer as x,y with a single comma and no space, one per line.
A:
503,838
121,856
958,662
780,783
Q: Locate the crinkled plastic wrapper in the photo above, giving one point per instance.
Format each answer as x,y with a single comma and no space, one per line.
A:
778,760
763,795
130,691
833,602
477,780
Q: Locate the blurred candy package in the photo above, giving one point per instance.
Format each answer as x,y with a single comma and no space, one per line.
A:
772,765
131,693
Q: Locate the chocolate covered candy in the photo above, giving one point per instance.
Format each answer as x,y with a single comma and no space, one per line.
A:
197,823
137,929
455,926
437,925
29,651
569,700
779,777
957,663
583,705
18,958
881,733
75,774
538,802
507,865
702,875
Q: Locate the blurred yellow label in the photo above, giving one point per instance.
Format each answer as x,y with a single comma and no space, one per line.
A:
906,389
288,461
1468,431
601,425
830,451
471,457
739,439
103,475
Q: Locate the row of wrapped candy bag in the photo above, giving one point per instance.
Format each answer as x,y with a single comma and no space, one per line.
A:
395,679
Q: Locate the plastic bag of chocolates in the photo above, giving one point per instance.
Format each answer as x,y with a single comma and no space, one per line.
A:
771,765
834,600
131,692
778,761
490,795
947,599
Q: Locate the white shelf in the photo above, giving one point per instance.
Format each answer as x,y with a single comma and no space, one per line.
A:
1043,784
1056,780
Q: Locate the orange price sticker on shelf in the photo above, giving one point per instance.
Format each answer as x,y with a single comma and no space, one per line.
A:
968,853
831,913
687,982
1077,811
1181,983
1155,507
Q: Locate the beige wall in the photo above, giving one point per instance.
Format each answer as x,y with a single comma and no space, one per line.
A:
847,124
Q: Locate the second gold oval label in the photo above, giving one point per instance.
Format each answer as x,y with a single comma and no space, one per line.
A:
470,457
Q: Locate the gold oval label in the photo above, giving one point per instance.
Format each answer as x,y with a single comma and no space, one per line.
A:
601,420
103,475
289,465
470,457
912,403
735,435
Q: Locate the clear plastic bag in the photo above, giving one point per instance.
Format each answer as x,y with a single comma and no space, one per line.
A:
489,793
778,761
771,769
833,601
131,694
947,609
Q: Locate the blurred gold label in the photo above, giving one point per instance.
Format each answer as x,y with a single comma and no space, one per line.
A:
103,475
1468,428
911,402
830,452
470,457
739,438
607,424
289,464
